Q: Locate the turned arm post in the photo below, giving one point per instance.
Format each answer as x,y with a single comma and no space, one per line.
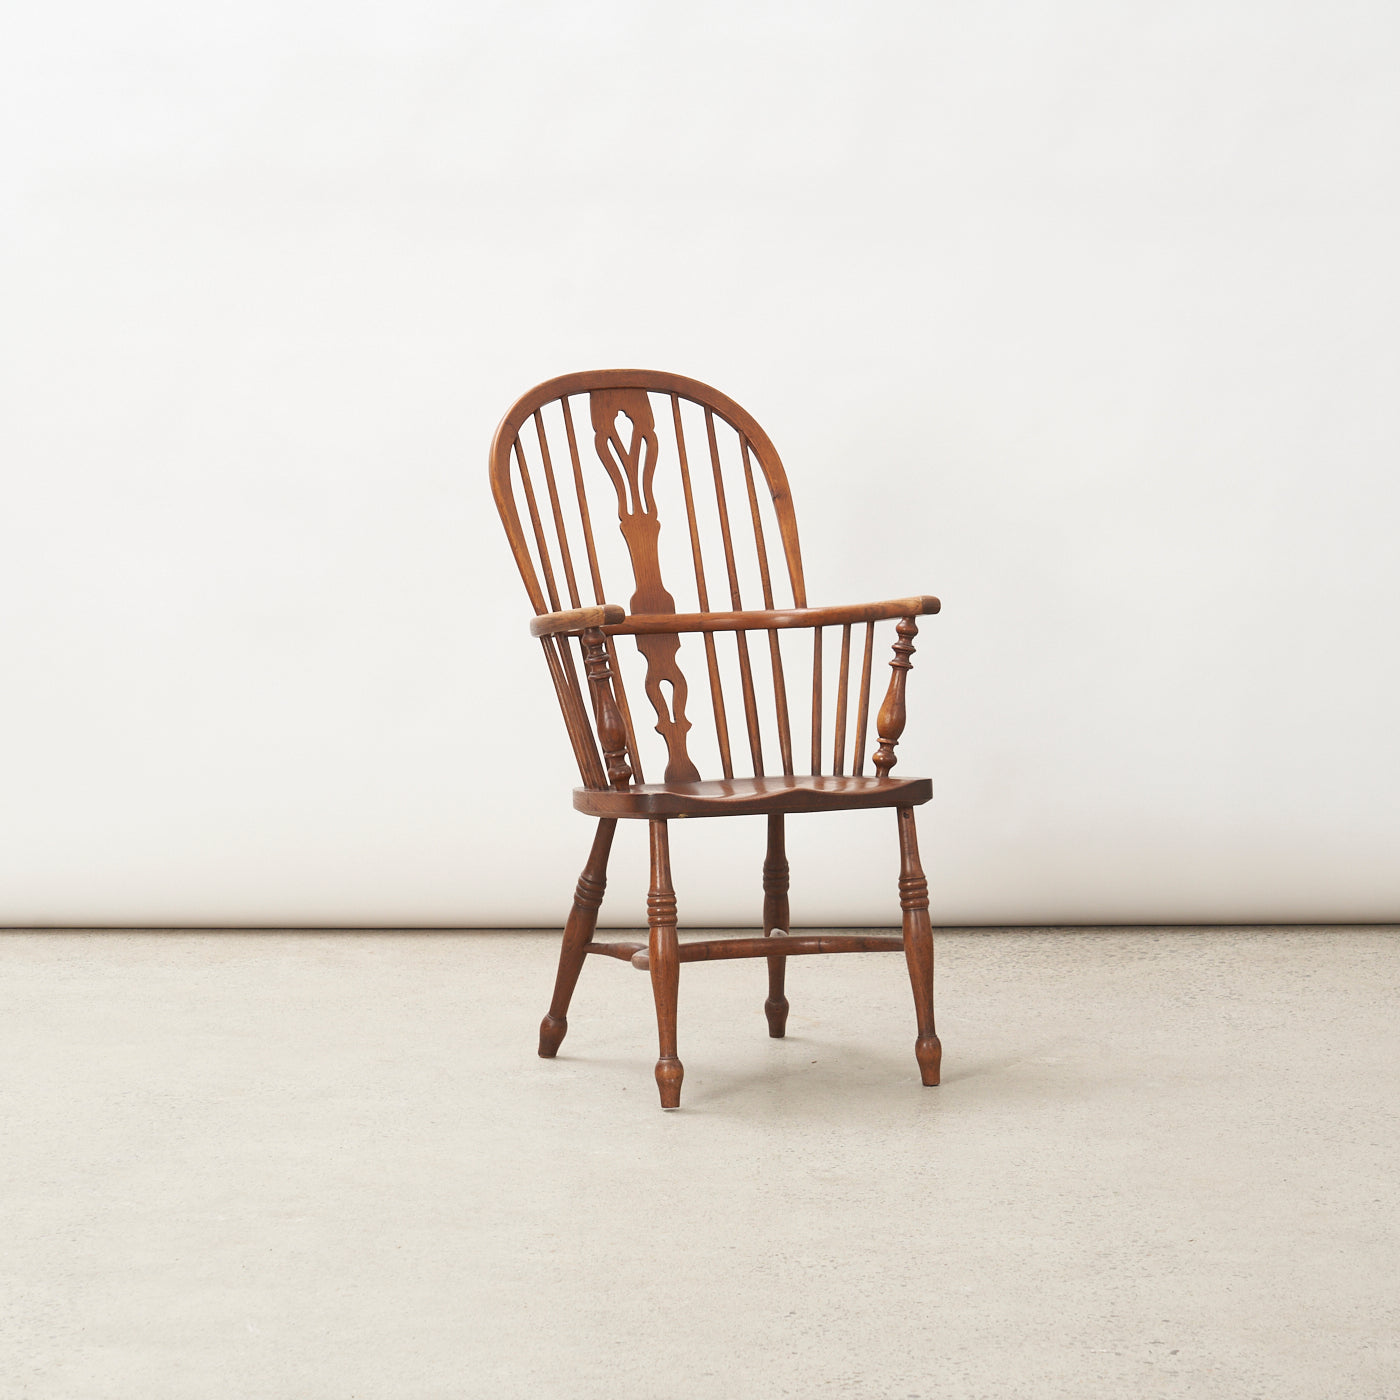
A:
612,733
890,724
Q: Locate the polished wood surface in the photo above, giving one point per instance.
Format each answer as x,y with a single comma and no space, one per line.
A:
612,733
769,620
918,945
787,945
588,897
574,621
658,489
624,951
774,946
893,712
663,960
624,435
775,923
739,797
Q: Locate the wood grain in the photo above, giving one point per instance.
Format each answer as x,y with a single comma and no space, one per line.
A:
770,619
918,946
624,436
741,797
791,946
583,918
574,621
611,731
663,960
893,713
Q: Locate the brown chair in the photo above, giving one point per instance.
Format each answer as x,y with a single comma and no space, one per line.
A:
722,477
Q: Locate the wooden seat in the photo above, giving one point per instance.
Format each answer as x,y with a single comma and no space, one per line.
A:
666,448
741,797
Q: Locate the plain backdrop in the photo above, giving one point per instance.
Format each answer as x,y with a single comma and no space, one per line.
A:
1081,315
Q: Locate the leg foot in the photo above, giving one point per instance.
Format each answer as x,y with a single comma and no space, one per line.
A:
578,932
918,946
552,1032
669,1073
776,1011
775,920
665,963
929,1053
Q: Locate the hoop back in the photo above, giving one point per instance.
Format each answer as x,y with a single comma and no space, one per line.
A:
645,428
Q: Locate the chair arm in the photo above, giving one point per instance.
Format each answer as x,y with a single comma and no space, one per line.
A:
773,619
575,620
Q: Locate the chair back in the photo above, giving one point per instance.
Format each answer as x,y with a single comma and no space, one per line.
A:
705,524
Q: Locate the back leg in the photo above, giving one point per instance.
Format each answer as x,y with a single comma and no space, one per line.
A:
775,920
578,933
918,945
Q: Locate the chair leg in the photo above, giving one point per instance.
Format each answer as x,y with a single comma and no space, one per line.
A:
775,920
918,945
578,932
665,963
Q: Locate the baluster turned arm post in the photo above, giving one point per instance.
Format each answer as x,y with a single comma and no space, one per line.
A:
890,724
612,733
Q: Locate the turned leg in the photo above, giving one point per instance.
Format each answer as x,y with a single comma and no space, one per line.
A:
918,945
578,933
775,920
665,963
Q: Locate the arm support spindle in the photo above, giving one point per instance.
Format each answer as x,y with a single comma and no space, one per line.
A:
611,730
890,724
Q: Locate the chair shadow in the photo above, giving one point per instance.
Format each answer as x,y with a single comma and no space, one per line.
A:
825,1077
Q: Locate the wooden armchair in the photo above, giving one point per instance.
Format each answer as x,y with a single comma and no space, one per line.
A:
719,468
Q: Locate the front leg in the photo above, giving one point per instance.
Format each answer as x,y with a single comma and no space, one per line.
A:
918,945
665,963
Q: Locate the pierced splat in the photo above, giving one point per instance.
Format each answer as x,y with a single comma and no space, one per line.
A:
624,435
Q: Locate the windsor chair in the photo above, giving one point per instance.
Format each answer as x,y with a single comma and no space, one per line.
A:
642,421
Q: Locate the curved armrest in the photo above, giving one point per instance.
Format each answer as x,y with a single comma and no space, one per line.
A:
773,619
575,620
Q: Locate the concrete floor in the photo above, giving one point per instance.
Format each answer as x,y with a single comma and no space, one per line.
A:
305,1165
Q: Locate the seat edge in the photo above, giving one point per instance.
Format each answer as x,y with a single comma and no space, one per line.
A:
902,792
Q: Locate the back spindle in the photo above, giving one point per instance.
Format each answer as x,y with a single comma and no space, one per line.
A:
702,593
576,725
561,534
858,753
537,527
843,685
775,655
741,639
582,494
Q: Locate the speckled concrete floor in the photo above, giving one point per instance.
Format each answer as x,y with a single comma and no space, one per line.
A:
1162,1163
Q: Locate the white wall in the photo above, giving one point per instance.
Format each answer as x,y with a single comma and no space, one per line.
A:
1082,315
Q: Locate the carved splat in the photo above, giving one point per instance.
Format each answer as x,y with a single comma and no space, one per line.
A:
624,435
